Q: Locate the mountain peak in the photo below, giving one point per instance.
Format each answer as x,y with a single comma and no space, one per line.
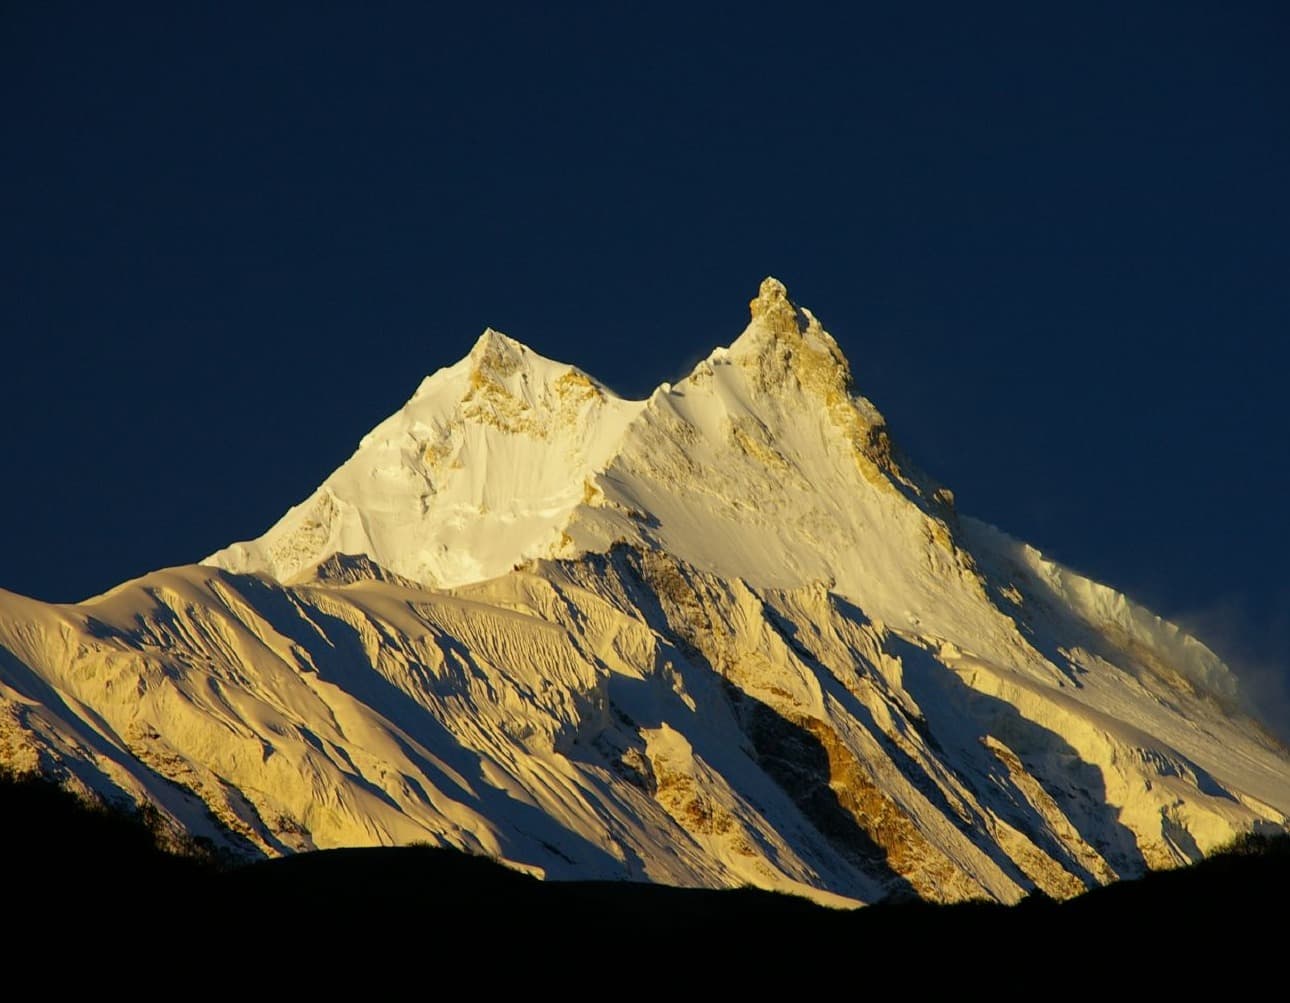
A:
497,353
774,310
785,342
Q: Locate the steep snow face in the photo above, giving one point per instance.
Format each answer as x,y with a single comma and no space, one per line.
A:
764,465
479,470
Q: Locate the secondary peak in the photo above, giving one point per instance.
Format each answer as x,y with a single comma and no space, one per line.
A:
496,356
493,342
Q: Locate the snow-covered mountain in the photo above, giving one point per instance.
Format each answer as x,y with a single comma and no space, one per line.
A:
723,635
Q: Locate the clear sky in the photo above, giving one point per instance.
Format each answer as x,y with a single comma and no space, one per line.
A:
1053,240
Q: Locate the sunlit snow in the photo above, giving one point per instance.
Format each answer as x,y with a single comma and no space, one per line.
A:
723,635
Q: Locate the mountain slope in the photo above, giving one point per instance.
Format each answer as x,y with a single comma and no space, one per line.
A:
724,635
480,468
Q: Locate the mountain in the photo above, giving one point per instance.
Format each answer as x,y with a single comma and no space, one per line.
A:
725,635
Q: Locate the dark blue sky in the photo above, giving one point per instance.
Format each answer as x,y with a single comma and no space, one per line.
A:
1053,242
